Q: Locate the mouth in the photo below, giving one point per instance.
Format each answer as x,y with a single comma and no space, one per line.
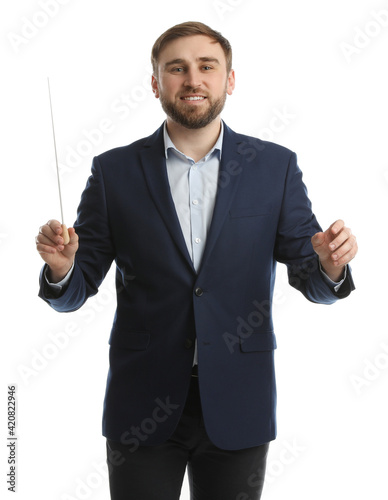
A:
193,98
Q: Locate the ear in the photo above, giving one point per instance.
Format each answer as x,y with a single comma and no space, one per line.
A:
231,82
154,85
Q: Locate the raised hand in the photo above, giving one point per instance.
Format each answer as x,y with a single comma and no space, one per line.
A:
50,246
336,247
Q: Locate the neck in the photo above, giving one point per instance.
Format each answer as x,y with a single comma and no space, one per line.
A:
194,143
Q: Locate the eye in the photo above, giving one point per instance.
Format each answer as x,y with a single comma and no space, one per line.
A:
207,68
177,70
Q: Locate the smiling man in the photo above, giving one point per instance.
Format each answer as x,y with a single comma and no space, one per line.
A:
193,90
195,217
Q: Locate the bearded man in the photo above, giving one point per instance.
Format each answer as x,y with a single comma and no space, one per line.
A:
195,217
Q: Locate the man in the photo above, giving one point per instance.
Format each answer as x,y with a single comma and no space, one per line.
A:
195,217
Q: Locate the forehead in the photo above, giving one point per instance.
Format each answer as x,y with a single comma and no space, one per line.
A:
192,48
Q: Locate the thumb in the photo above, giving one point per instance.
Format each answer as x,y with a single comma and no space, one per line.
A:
318,239
73,236
72,247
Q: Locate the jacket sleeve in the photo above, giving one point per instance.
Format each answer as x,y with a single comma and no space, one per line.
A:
96,250
297,224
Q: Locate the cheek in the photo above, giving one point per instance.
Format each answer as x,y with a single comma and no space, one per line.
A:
170,88
221,84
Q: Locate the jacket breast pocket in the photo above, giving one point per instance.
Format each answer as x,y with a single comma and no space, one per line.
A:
260,210
258,342
137,341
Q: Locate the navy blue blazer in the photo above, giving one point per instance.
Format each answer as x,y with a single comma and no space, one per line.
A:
262,216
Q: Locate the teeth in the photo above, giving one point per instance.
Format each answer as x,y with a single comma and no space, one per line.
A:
193,98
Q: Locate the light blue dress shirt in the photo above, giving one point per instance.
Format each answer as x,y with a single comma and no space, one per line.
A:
193,189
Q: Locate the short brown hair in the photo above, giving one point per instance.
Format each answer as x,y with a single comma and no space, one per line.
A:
189,29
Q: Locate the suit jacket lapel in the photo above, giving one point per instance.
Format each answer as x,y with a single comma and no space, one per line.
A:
154,166
231,167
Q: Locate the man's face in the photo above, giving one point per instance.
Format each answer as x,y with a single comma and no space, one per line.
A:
192,81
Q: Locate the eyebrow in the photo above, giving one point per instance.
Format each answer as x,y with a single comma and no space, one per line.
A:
202,59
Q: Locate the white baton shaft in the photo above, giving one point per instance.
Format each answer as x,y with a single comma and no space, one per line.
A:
65,233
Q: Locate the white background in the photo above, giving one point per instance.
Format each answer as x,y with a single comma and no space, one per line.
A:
289,58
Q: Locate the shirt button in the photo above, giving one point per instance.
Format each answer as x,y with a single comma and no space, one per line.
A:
195,202
198,292
197,240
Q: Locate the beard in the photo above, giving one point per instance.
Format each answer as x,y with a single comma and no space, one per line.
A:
193,117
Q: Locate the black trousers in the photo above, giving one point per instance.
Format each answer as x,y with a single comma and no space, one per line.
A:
157,472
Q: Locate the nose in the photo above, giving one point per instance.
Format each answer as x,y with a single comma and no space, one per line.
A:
193,78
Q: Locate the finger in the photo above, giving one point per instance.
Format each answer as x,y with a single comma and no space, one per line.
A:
47,235
73,236
47,231
45,249
71,248
320,247
336,227
340,239
44,240
346,258
349,246
55,226
317,240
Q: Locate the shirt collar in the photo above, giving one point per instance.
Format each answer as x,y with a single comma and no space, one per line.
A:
168,144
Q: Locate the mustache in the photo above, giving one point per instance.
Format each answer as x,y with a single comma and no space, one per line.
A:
193,92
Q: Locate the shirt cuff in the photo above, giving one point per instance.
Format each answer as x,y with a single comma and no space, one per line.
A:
58,286
334,284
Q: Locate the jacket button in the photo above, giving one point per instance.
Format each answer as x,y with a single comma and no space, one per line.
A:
198,292
188,343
